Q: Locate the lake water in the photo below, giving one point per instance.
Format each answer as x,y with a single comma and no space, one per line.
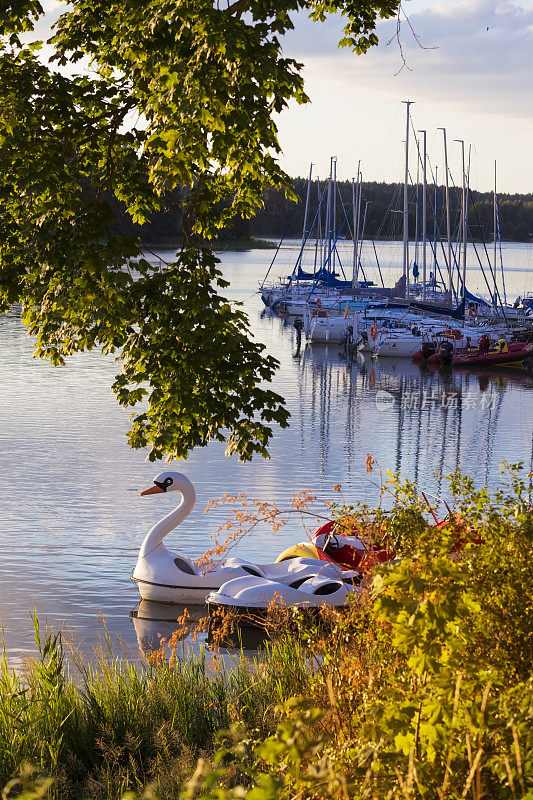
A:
72,521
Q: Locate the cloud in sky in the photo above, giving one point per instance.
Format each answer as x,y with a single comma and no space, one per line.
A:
483,56
472,73
481,44
52,10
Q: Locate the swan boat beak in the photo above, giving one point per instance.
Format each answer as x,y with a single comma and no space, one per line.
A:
153,490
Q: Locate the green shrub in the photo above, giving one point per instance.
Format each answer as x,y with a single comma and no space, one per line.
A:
425,690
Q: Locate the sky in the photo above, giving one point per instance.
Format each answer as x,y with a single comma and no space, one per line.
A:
469,69
472,73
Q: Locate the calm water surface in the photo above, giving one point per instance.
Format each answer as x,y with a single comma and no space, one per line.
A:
72,521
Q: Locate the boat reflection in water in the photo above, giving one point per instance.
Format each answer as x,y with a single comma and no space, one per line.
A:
420,422
424,422
156,621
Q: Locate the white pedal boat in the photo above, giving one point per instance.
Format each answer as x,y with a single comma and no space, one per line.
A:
243,595
166,576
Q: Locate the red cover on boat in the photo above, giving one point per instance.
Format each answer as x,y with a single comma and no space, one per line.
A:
348,551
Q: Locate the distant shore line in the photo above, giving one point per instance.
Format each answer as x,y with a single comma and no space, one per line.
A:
253,243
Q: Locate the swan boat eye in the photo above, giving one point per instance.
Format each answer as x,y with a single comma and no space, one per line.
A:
164,485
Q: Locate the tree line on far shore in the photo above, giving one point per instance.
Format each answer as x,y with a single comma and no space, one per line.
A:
382,202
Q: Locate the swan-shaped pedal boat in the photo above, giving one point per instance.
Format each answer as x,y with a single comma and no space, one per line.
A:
165,576
249,600
250,595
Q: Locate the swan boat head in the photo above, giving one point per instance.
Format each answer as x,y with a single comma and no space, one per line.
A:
170,481
168,576
163,483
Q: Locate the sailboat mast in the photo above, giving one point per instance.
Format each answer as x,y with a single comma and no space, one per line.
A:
304,231
448,220
495,234
435,227
361,233
327,257
321,231
353,231
424,215
416,260
359,193
318,239
354,234
463,214
405,203
334,226
467,192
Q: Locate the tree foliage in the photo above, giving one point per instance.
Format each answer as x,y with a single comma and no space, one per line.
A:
279,216
175,99
282,216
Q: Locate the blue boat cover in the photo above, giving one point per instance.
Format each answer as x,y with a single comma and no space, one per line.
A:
322,276
473,299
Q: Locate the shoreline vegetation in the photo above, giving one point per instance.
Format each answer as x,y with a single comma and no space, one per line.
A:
218,245
281,217
420,689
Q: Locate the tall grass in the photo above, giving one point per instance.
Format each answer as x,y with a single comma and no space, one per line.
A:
118,726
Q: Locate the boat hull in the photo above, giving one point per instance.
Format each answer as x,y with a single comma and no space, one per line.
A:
514,357
162,593
328,335
399,347
169,577
328,329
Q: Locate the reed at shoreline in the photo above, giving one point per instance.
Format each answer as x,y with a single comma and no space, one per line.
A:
102,729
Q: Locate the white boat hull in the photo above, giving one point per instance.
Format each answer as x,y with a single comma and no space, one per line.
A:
247,594
398,347
186,595
161,579
327,329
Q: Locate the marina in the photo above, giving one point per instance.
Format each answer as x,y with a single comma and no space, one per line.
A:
266,452
429,312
